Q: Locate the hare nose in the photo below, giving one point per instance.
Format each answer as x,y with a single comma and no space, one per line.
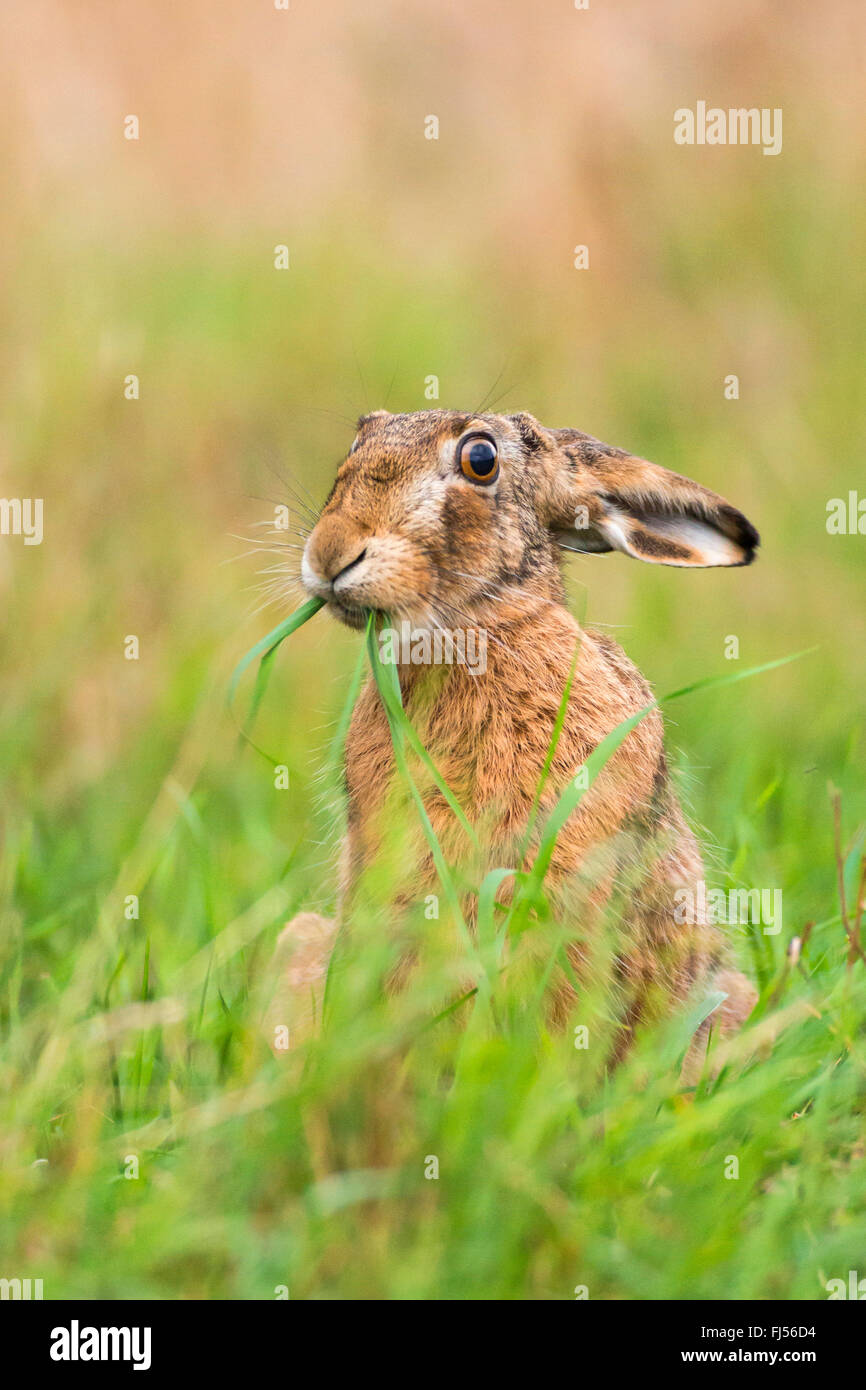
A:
351,565
334,548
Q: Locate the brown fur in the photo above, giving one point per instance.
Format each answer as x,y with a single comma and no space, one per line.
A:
404,532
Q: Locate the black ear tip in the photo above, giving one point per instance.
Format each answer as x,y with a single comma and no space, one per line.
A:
741,530
751,541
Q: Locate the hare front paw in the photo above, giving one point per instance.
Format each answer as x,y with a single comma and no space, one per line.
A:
299,966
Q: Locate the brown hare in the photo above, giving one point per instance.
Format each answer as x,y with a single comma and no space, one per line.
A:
443,520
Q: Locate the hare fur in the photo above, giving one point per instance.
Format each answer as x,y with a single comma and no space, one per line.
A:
446,520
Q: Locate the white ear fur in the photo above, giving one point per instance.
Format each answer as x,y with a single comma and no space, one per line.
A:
606,499
689,541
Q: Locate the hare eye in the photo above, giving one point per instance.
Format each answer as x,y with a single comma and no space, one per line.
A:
478,459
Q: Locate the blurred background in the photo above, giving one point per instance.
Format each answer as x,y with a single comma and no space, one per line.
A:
408,258
412,257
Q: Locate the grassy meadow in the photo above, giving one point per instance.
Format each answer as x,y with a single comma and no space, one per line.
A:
151,1146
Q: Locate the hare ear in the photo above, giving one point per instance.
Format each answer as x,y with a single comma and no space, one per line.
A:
606,499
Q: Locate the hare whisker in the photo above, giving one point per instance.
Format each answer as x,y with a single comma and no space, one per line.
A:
292,484
307,513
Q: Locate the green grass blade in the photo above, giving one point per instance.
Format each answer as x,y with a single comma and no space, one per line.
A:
272,640
574,792
266,649
398,737
338,742
388,684
558,726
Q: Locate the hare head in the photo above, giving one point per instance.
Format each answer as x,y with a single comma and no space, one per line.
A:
433,512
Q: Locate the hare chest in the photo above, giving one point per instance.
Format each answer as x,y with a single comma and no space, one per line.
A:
491,740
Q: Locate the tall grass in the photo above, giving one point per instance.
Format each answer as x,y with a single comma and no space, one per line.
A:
153,1146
